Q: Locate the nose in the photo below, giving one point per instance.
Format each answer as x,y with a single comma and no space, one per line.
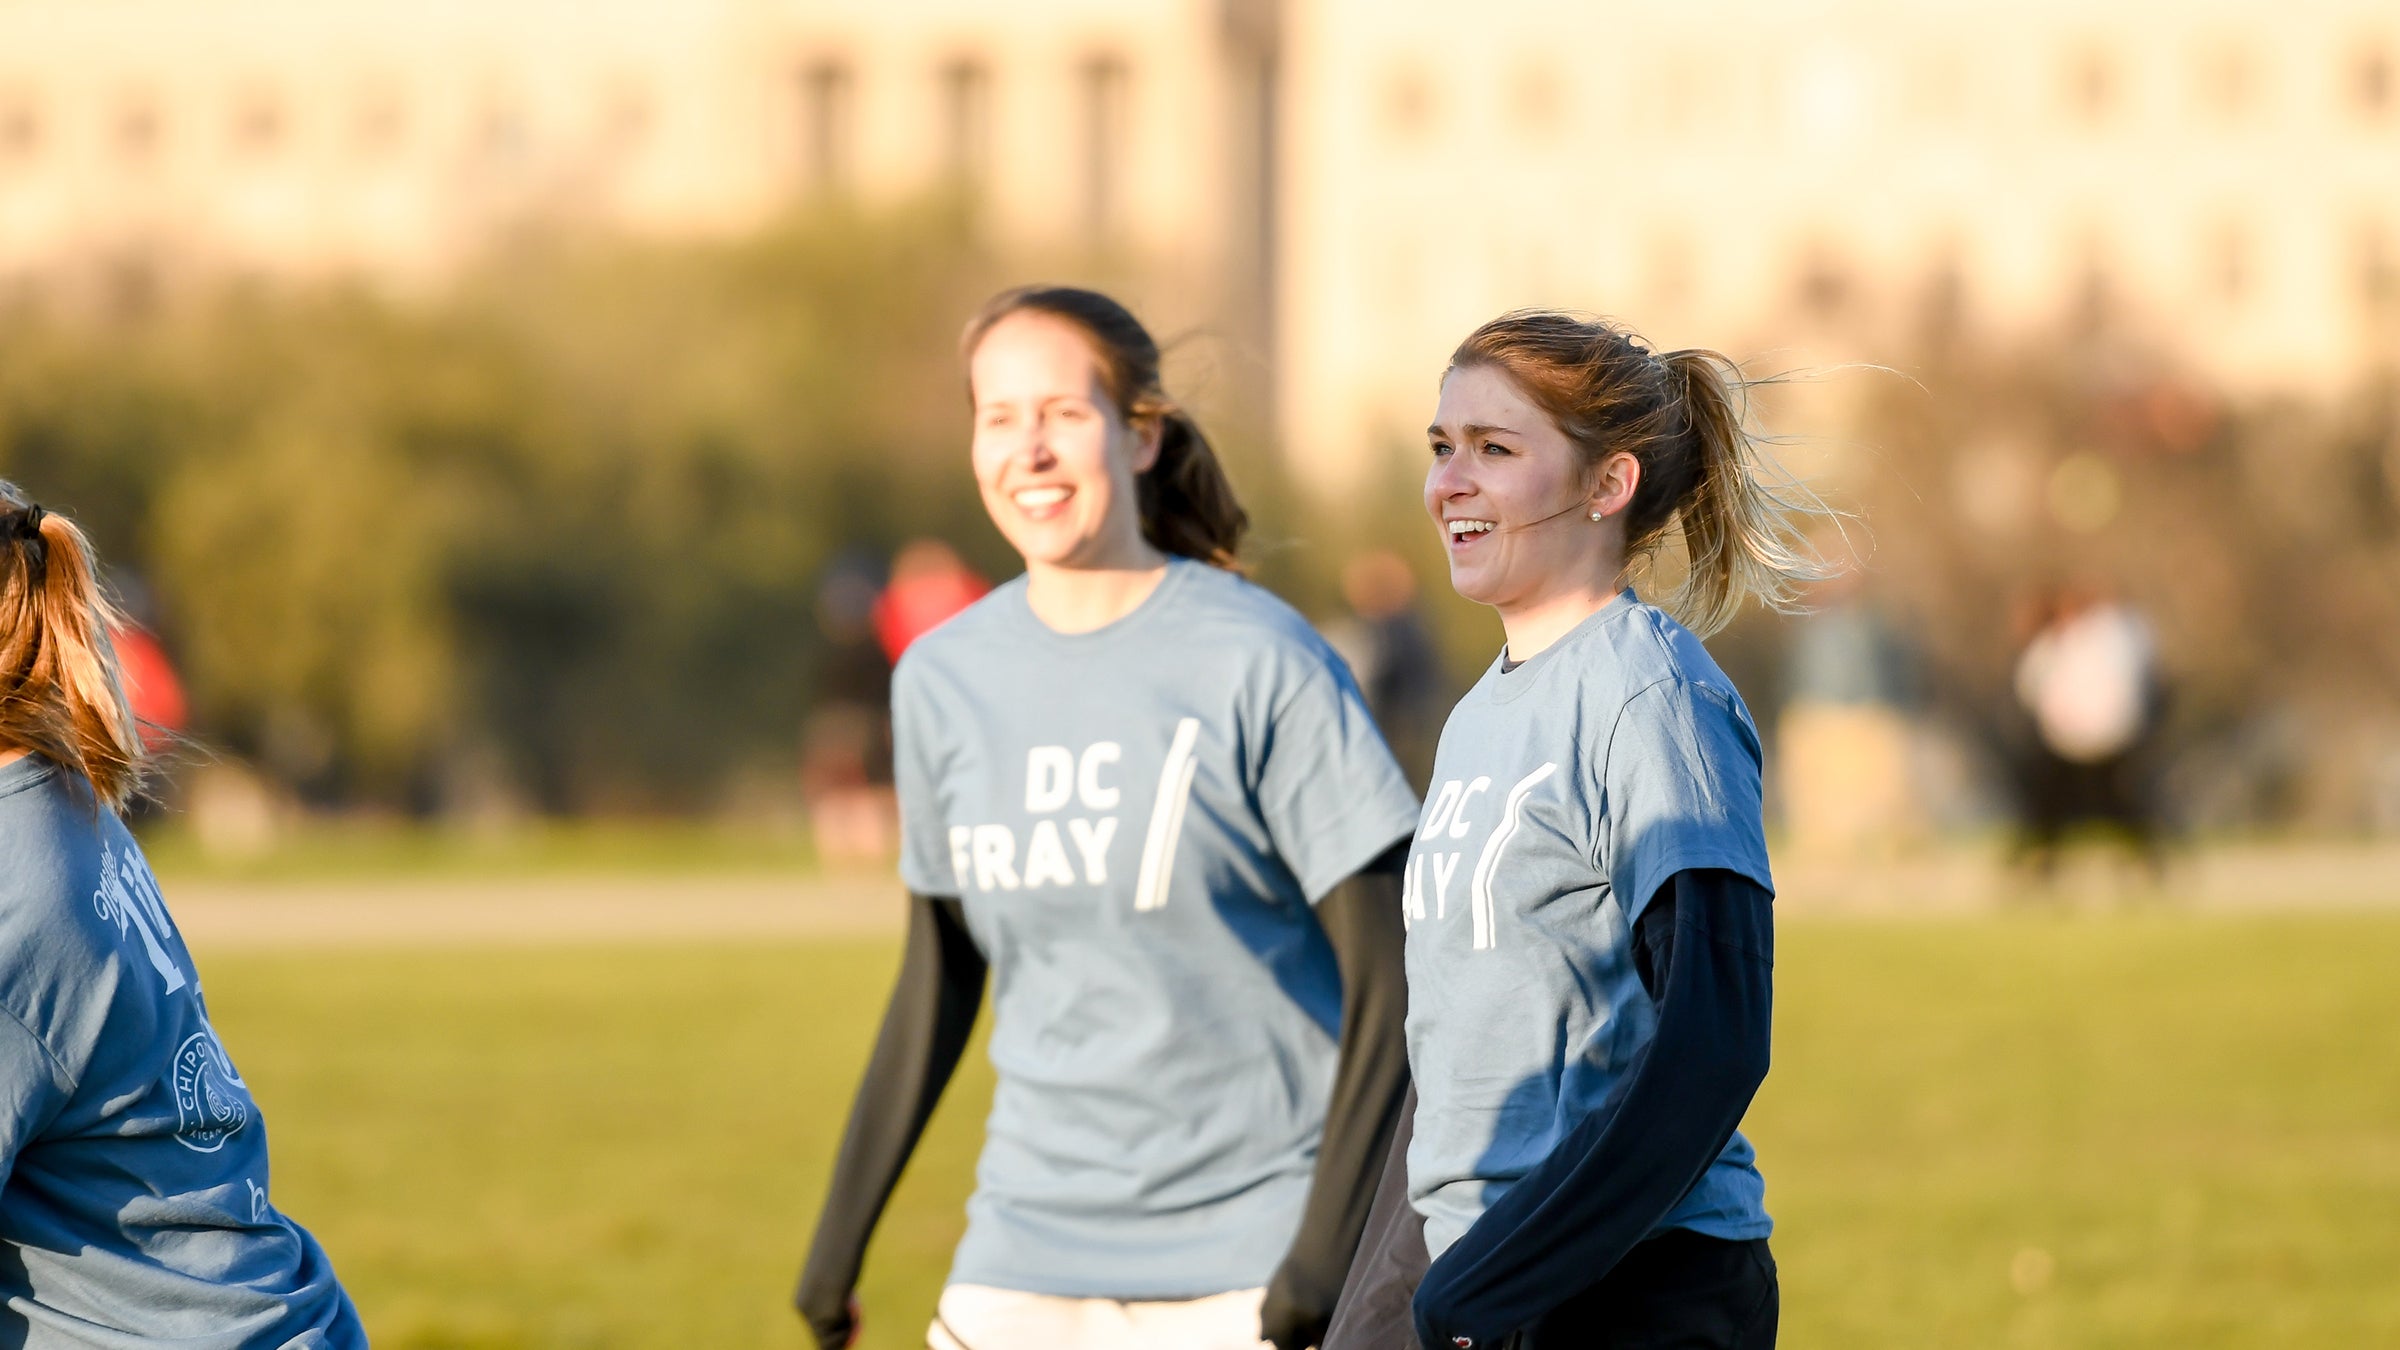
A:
1032,450
1446,479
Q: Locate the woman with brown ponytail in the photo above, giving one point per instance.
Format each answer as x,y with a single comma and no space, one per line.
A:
133,1167
1590,910
1147,799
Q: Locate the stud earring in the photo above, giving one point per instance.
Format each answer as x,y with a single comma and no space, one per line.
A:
1597,514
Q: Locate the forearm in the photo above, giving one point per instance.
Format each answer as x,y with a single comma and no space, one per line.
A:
925,1030
1361,918
1619,1172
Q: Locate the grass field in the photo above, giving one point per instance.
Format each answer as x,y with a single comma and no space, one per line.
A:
2016,1131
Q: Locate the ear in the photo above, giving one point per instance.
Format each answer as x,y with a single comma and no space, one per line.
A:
1614,483
1149,436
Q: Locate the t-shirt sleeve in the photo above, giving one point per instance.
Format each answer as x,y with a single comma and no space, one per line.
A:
925,853
33,1086
1330,793
1680,789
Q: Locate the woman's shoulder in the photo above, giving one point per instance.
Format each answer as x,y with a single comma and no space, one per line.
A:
1214,600
1648,651
963,638
47,827
55,846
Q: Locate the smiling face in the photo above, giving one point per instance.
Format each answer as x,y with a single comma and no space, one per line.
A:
1054,457
1513,498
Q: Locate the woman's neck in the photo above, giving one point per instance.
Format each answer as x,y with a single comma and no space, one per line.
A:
10,754
1532,627
1081,599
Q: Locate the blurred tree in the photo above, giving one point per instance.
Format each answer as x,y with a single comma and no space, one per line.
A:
570,512
2257,537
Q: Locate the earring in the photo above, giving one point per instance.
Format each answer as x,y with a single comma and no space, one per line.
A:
1596,515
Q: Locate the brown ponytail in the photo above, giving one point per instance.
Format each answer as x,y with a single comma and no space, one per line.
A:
1187,504
1685,418
60,695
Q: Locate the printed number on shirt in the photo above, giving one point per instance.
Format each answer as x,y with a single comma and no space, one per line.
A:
1073,797
129,898
1460,808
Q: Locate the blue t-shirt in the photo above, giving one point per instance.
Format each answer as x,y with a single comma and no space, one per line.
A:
133,1164
1138,820
1565,791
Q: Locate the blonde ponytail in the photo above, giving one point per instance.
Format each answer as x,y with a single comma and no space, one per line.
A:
60,693
1685,418
1740,542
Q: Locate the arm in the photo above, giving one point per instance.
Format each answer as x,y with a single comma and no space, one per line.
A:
1361,918
33,1087
924,1032
1708,936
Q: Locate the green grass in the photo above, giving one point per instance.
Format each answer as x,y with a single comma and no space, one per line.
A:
2021,1131
369,848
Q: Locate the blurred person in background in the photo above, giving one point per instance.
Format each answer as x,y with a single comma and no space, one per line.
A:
152,688
1389,649
1146,799
930,583
134,1202
2087,677
1591,926
846,737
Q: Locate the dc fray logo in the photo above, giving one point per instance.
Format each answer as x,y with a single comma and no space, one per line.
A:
212,1103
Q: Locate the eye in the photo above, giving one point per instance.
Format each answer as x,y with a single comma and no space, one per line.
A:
1495,448
1440,450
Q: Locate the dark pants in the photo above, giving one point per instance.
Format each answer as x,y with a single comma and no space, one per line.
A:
1372,1312
1676,1291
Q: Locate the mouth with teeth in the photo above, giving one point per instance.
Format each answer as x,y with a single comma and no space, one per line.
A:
1041,503
1465,532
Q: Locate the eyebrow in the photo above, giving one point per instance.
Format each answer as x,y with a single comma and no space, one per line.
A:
1473,430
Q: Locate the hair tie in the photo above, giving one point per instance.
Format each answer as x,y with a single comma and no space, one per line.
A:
28,531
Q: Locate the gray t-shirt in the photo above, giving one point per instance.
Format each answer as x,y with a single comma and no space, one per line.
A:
1138,820
1565,791
133,1165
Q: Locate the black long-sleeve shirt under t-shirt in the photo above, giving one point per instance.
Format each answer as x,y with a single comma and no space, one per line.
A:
1704,949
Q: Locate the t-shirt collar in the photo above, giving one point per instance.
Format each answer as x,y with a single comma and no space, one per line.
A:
1506,685
20,774
1178,568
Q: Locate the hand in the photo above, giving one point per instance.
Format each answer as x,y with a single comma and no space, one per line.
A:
837,1331
1287,1326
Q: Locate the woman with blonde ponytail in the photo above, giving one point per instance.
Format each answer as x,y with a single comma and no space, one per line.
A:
1590,908
134,1201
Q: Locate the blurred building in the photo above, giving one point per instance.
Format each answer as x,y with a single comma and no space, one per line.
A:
1348,186
1833,177
147,138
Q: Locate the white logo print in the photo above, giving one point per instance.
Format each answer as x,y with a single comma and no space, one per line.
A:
258,1201
985,856
1166,817
129,898
1479,894
212,1103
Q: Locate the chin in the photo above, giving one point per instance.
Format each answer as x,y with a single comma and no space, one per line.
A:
1475,584
1051,547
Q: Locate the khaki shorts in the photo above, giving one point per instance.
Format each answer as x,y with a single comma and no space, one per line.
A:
975,1317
